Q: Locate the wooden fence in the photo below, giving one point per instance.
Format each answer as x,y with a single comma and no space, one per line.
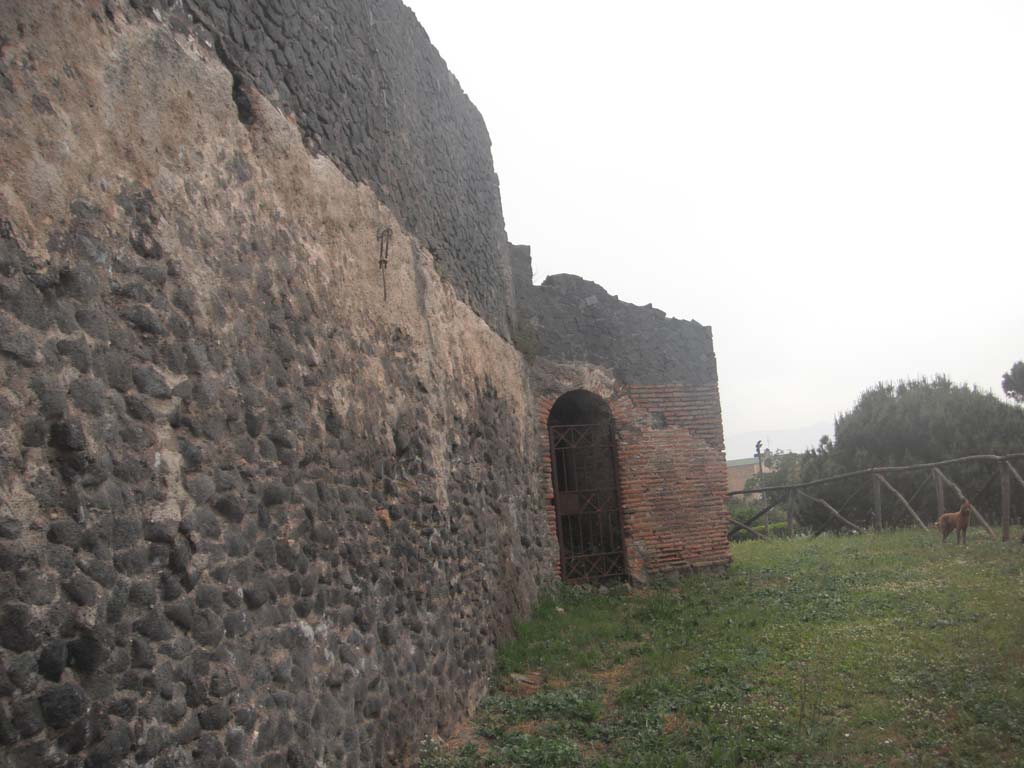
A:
1004,469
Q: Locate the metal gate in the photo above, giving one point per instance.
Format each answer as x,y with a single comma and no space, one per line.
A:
587,502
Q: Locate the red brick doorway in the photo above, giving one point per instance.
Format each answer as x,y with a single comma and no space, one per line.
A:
588,513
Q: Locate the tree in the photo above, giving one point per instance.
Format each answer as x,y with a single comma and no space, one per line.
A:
912,422
1013,382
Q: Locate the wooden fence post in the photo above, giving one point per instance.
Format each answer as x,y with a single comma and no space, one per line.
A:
834,511
789,514
1004,483
876,491
940,495
905,503
1015,473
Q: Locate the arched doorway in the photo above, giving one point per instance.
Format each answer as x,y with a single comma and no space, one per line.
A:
587,511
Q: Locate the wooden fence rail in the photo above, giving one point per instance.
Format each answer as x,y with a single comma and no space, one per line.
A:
1004,470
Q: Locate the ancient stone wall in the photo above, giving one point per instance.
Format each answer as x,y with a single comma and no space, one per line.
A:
251,512
366,87
659,378
569,319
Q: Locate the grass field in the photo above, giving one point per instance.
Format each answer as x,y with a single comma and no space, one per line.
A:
877,650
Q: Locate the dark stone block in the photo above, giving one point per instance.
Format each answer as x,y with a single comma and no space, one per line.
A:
144,319
114,746
170,587
191,454
268,450
80,589
214,718
149,382
160,533
114,367
195,690
156,740
51,395
93,322
27,717
210,596
27,304
116,603
89,394
222,683
275,493
100,571
236,624
266,553
10,528
207,629
17,630
142,654
76,738
86,653
159,555
77,353
172,710
154,627
189,731
123,708
127,531
33,433
235,543
68,436
8,733
21,670
245,717
207,523
231,598
230,508
61,705
253,423
180,614
180,557
66,532
200,487
235,741
256,595
138,409
53,660
142,593
133,562
133,471
30,755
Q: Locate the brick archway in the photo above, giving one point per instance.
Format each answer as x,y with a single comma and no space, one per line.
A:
588,510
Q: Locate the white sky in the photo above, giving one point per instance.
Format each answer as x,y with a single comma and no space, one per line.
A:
837,188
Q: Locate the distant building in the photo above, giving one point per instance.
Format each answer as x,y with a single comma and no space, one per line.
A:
738,471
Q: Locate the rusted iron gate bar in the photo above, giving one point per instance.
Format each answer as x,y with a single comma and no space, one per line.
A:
1005,471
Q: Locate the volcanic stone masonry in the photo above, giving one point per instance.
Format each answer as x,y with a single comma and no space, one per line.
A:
251,512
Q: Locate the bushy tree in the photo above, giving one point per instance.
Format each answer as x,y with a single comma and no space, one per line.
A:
1013,382
912,422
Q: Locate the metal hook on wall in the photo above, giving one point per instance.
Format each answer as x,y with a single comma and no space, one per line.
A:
384,241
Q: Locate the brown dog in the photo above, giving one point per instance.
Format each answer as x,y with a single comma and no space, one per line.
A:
955,521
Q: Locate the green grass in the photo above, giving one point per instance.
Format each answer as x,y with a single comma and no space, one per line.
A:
878,650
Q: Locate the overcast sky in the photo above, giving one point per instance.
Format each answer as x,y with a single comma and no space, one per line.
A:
837,188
